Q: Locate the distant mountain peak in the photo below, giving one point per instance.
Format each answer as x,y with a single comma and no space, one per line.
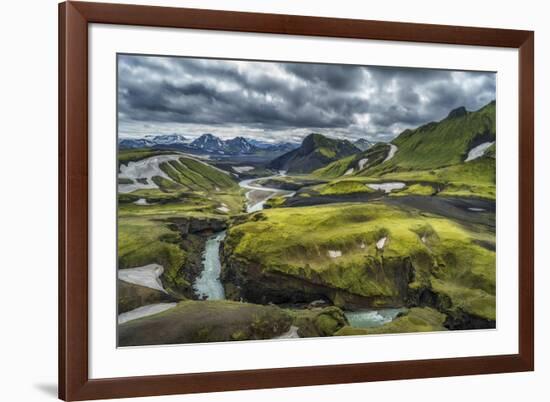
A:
315,151
208,142
158,139
458,112
363,144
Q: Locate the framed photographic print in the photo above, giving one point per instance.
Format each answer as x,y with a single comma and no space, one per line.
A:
258,200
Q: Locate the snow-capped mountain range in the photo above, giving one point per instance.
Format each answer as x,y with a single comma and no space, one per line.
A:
207,143
363,144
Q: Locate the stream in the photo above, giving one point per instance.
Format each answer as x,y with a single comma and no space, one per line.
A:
372,318
208,285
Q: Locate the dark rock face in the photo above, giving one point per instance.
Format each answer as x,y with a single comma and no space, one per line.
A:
426,297
204,226
458,112
456,319
245,280
194,233
460,320
317,322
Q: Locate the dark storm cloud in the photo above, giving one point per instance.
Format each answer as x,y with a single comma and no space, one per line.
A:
274,100
338,77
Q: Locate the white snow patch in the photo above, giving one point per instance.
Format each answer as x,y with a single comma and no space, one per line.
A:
147,275
362,162
144,311
424,239
141,201
144,170
473,209
387,187
477,152
334,253
290,334
380,243
391,154
362,245
348,172
243,169
223,209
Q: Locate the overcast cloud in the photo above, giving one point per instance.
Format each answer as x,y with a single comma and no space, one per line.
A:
286,101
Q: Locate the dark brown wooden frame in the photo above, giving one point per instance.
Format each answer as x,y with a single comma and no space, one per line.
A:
74,17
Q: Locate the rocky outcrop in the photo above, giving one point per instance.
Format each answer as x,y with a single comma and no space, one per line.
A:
456,318
461,320
206,321
131,296
316,322
204,226
414,320
193,235
246,280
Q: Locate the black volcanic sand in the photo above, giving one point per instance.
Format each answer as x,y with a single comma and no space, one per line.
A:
331,199
455,208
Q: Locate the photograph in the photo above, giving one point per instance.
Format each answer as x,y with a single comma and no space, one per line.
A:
269,200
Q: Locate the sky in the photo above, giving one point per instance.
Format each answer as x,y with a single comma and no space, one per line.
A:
282,101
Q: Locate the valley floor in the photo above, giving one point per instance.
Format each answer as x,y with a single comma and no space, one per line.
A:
209,254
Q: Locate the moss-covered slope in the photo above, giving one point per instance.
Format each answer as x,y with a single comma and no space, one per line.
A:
315,152
444,143
354,164
361,255
206,321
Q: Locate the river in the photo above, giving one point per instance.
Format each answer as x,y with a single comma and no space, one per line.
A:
372,318
208,285
256,202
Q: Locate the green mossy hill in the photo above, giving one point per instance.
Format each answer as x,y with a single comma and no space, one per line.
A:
315,322
355,163
331,252
344,186
206,321
415,189
275,202
163,204
315,152
131,296
134,155
444,143
192,174
472,179
415,320
142,241
290,183
176,243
